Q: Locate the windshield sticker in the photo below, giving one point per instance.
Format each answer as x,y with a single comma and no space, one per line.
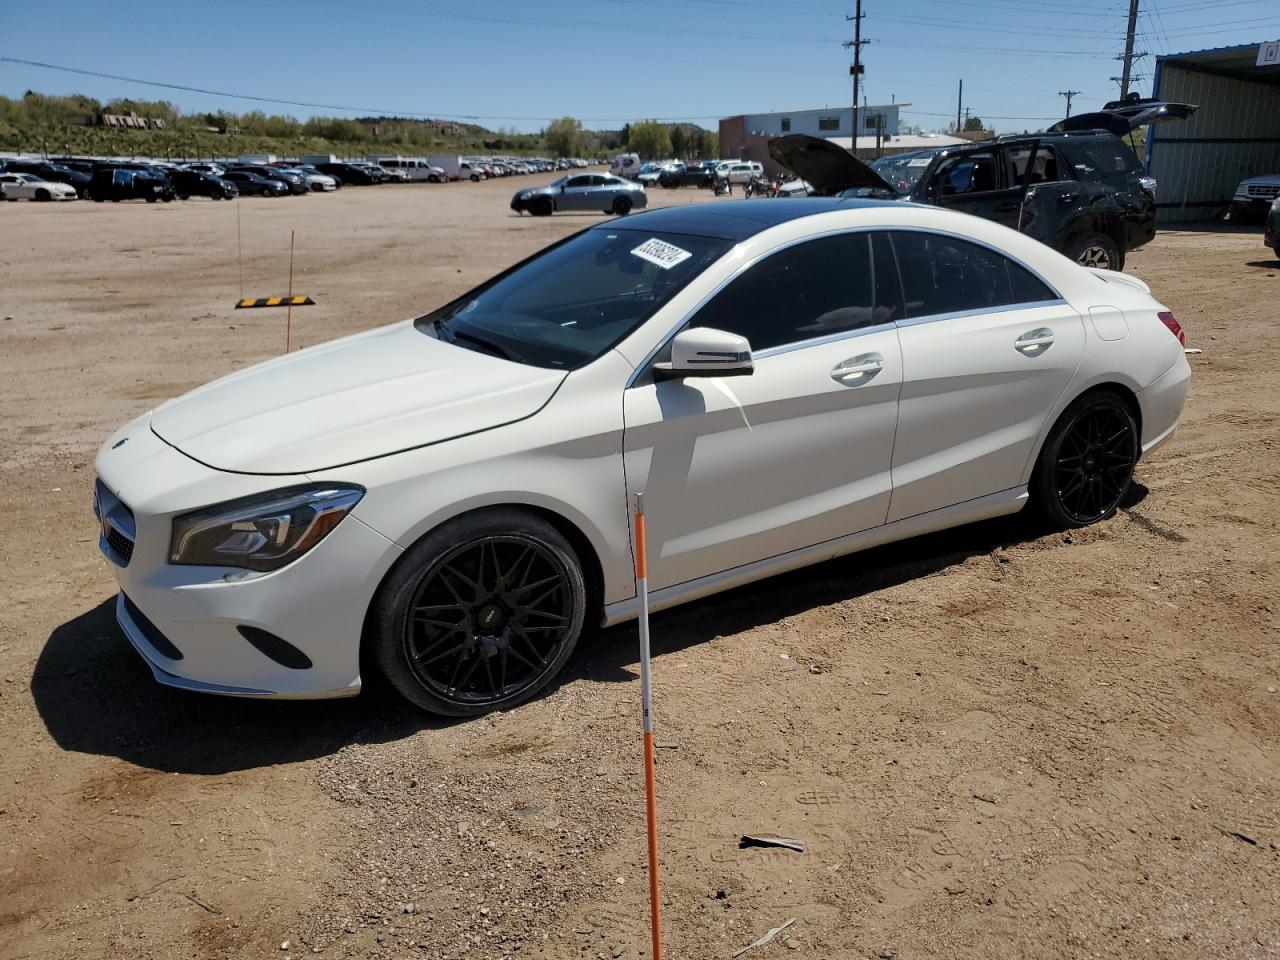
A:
666,255
919,162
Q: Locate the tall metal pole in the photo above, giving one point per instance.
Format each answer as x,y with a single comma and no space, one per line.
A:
856,70
959,105
1128,48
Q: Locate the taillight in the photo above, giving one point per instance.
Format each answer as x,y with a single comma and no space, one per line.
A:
1170,321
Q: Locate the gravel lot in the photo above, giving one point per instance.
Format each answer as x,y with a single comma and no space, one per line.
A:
993,742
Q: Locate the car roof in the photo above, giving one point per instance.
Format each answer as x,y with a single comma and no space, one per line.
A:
737,219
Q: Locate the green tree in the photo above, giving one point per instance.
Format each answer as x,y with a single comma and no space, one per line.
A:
711,145
973,124
679,142
564,137
650,139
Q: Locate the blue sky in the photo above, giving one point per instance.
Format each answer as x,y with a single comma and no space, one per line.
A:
609,61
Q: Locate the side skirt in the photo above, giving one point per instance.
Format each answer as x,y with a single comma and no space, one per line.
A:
971,511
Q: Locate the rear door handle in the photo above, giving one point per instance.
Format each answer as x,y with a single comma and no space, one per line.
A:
861,367
1034,342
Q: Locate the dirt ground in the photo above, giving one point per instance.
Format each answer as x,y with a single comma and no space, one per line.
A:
993,742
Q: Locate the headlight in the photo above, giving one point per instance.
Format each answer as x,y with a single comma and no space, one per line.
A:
262,532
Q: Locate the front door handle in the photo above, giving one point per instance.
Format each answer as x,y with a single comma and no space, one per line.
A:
1034,342
865,366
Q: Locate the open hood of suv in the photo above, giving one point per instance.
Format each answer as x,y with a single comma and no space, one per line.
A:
827,167
1121,116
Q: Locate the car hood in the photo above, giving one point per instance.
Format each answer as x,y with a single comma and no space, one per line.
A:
365,396
1269,179
825,166
1122,116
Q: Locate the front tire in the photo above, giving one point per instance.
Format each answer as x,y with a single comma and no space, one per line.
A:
480,614
542,207
1095,250
1086,466
42,195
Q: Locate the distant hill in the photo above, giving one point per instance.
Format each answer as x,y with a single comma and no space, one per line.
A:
79,125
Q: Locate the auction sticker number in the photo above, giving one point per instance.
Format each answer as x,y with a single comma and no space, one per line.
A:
666,255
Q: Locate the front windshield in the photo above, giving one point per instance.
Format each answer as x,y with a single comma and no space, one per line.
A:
904,170
574,301
559,182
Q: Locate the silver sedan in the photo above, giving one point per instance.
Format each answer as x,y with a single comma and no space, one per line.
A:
582,191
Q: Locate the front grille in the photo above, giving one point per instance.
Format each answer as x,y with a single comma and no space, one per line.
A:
120,545
117,530
1270,190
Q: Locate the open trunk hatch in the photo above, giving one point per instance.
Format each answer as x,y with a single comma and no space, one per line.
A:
1122,116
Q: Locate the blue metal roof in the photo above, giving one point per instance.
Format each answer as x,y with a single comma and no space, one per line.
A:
737,219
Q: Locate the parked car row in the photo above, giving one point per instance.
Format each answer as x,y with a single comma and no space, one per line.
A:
70,178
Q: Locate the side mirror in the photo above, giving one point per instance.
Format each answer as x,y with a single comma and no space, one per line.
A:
706,352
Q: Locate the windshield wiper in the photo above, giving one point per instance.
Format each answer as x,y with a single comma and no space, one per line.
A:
496,349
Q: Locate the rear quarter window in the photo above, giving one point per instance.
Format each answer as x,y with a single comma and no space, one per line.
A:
1109,159
943,274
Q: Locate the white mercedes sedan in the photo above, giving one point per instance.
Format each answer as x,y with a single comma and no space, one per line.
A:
447,499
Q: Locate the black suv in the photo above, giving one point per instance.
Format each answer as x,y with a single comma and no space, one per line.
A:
1078,187
130,181
1272,236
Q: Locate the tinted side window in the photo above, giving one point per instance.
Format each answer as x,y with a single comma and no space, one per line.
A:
809,290
942,274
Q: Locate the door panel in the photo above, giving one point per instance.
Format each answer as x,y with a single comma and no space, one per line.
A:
745,468
974,400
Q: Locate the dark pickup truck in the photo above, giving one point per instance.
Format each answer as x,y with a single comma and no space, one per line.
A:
699,175
1078,187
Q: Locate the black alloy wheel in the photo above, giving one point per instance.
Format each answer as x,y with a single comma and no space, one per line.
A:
481,614
1087,463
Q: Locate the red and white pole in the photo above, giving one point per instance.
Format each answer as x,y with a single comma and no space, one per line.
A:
646,701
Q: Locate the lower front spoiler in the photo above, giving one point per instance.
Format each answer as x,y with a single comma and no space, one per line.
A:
153,659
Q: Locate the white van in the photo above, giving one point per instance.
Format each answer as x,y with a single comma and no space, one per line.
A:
739,171
455,168
625,165
414,168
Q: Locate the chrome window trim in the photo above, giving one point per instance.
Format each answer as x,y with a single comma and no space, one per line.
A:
820,341
643,365
1003,308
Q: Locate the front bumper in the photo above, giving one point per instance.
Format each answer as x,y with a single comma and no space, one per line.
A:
1250,209
186,620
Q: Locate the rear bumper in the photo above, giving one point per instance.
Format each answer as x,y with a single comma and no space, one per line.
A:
1161,405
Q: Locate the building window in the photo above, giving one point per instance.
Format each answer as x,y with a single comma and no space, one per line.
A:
828,123
786,124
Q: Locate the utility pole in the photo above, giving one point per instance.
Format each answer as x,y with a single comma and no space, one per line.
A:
1068,94
959,104
1129,55
856,70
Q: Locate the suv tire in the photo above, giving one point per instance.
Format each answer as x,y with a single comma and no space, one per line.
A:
1095,250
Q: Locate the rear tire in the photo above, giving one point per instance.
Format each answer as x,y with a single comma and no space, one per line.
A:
480,614
1086,465
622,206
1095,250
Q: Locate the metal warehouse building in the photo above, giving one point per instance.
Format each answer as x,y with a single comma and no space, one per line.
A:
1234,135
